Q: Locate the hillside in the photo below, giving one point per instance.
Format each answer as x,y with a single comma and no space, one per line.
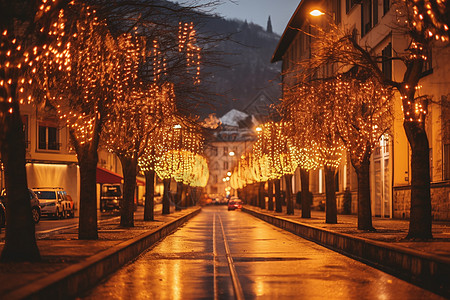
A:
245,69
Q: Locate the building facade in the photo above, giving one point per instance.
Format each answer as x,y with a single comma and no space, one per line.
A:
374,22
51,161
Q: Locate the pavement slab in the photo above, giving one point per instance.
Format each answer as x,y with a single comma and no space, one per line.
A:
63,249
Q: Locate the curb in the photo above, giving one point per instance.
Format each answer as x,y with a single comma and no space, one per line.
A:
423,269
75,279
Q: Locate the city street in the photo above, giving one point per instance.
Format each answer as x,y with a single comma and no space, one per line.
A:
222,254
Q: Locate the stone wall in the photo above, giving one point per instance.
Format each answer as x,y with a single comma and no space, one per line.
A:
440,201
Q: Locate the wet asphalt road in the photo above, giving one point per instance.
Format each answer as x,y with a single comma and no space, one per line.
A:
222,254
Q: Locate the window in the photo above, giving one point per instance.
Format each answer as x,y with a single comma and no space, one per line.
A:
431,164
375,12
366,17
48,136
386,65
336,181
321,183
25,130
214,151
337,11
225,165
216,179
427,64
225,151
349,4
446,162
386,6
216,166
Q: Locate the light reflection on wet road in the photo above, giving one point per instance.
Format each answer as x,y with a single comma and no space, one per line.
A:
269,262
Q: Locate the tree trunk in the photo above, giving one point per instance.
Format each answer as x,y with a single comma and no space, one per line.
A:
149,208
364,205
245,195
420,215
306,195
179,196
330,203
278,204
253,197
289,198
188,196
270,194
261,198
129,170
20,240
87,160
420,222
166,197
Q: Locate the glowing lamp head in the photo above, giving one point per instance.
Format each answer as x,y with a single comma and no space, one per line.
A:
231,153
258,129
178,126
228,173
316,13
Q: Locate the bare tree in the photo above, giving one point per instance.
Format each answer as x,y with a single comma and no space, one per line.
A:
363,117
422,24
78,81
310,106
24,27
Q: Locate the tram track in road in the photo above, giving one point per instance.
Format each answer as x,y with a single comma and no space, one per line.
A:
238,292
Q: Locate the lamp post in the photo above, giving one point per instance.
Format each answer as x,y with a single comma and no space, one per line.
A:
232,155
319,13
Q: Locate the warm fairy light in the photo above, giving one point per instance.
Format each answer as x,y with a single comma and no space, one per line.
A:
270,158
428,18
177,153
187,44
16,63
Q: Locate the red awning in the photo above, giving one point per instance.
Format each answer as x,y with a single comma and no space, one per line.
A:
139,181
106,176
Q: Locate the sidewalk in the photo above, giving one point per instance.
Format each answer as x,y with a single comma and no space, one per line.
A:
425,263
387,230
68,265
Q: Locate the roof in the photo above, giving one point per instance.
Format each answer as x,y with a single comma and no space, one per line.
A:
298,18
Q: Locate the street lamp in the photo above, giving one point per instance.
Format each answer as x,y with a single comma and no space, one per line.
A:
318,13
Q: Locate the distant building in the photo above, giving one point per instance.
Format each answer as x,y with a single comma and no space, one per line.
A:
229,141
51,160
269,26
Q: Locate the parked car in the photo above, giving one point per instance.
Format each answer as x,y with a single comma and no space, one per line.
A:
111,197
35,206
71,212
54,202
34,202
234,203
